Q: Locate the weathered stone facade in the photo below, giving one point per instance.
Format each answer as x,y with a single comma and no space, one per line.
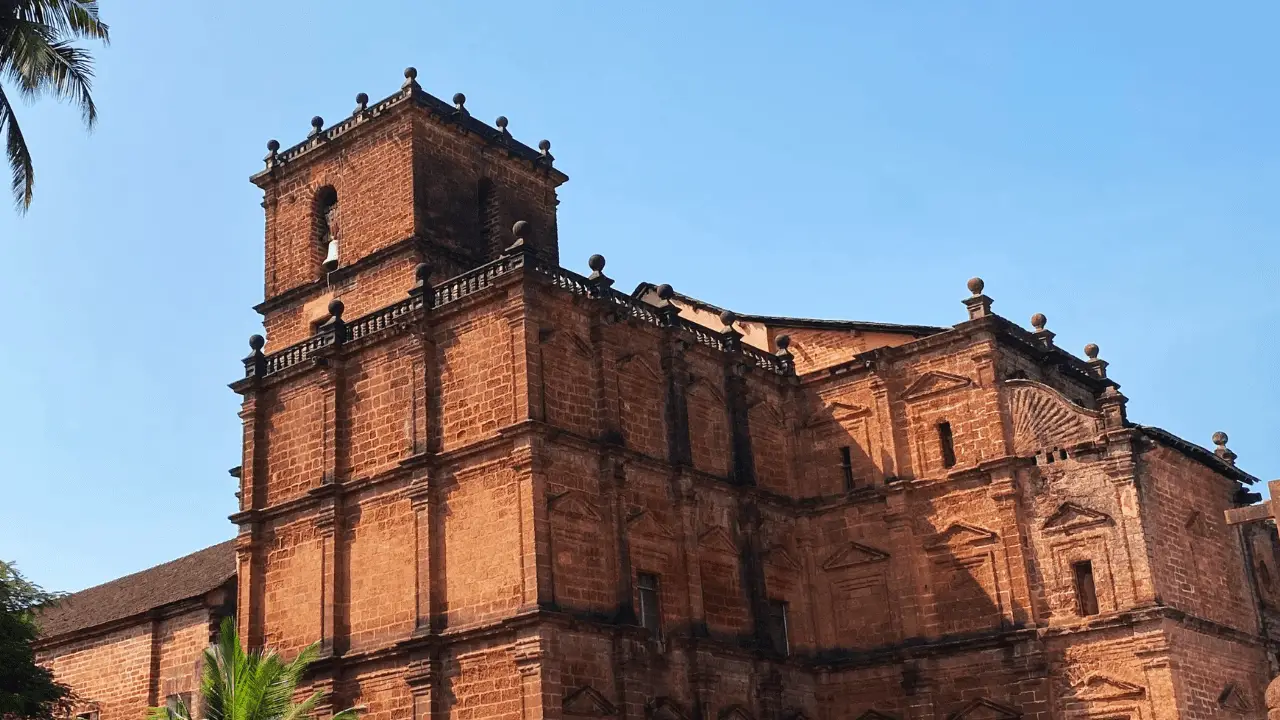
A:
492,488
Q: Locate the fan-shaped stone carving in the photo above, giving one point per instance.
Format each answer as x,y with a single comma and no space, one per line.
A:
1045,418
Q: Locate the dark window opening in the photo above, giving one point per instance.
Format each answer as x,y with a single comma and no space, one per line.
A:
1062,454
326,225
650,608
846,467
179,702
778,627
1086,592
948,444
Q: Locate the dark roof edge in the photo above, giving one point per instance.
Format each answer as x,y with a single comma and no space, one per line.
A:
1195,452
172,608
777,320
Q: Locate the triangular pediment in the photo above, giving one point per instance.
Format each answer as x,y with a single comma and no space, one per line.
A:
853,554
574,504
984,709
587,702
1101,687
778,555
765,410
701,387
637,364
664,708
961,533
935,383
645,524
1070,516
1196,524
570,339
718,539
836,412
734,712
1232,698
876,715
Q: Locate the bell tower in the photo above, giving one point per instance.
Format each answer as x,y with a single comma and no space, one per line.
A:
356,206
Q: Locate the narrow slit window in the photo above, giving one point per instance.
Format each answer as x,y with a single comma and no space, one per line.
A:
650,610
1086,592
846,467
778,627
948,444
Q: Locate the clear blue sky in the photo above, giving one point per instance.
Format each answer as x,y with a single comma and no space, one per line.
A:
1112,165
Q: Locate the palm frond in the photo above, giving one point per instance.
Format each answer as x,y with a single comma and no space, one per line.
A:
74,18
20,165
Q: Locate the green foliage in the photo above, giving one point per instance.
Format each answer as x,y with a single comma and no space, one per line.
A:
27,690
250,686
37,58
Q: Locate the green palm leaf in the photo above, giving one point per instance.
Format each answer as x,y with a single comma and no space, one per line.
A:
38,58
250,686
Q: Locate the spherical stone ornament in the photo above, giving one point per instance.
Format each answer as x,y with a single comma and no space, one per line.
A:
1038,321
501,122
783,342
256,342
976,285
362,98
273,145
336,307
459,99
728,318
1219,438
411,73
520,229
1091,351
596,263
544,145
317,122
666,292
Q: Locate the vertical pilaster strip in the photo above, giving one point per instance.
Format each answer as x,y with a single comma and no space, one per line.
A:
676,371
903,570
735,393
538,680
423,678
613,479
1014,594
328,513
420,491
253,496
688,506
153,668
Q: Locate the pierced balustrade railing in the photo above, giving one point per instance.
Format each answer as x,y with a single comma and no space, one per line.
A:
485,276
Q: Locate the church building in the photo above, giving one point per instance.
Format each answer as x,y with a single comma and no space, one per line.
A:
489,486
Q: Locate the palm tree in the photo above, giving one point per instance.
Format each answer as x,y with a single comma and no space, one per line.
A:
250,686
37,59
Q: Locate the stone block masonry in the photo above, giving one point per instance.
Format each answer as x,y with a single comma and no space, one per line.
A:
490,487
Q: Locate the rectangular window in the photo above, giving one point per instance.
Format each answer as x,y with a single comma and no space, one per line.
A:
846,467
948,444
650,610
1086,593
778,626
179,701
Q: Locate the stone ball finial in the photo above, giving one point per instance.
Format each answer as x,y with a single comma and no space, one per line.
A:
317,122
1220,439
501,122
459,100
256,342
728,318
421,273
273,145
520,229
976,285
783,342
666,292
1091,351
362,100
411,73
336,307
1038,321
544,146
596,262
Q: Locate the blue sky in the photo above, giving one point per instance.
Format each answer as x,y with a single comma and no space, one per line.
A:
1112,165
